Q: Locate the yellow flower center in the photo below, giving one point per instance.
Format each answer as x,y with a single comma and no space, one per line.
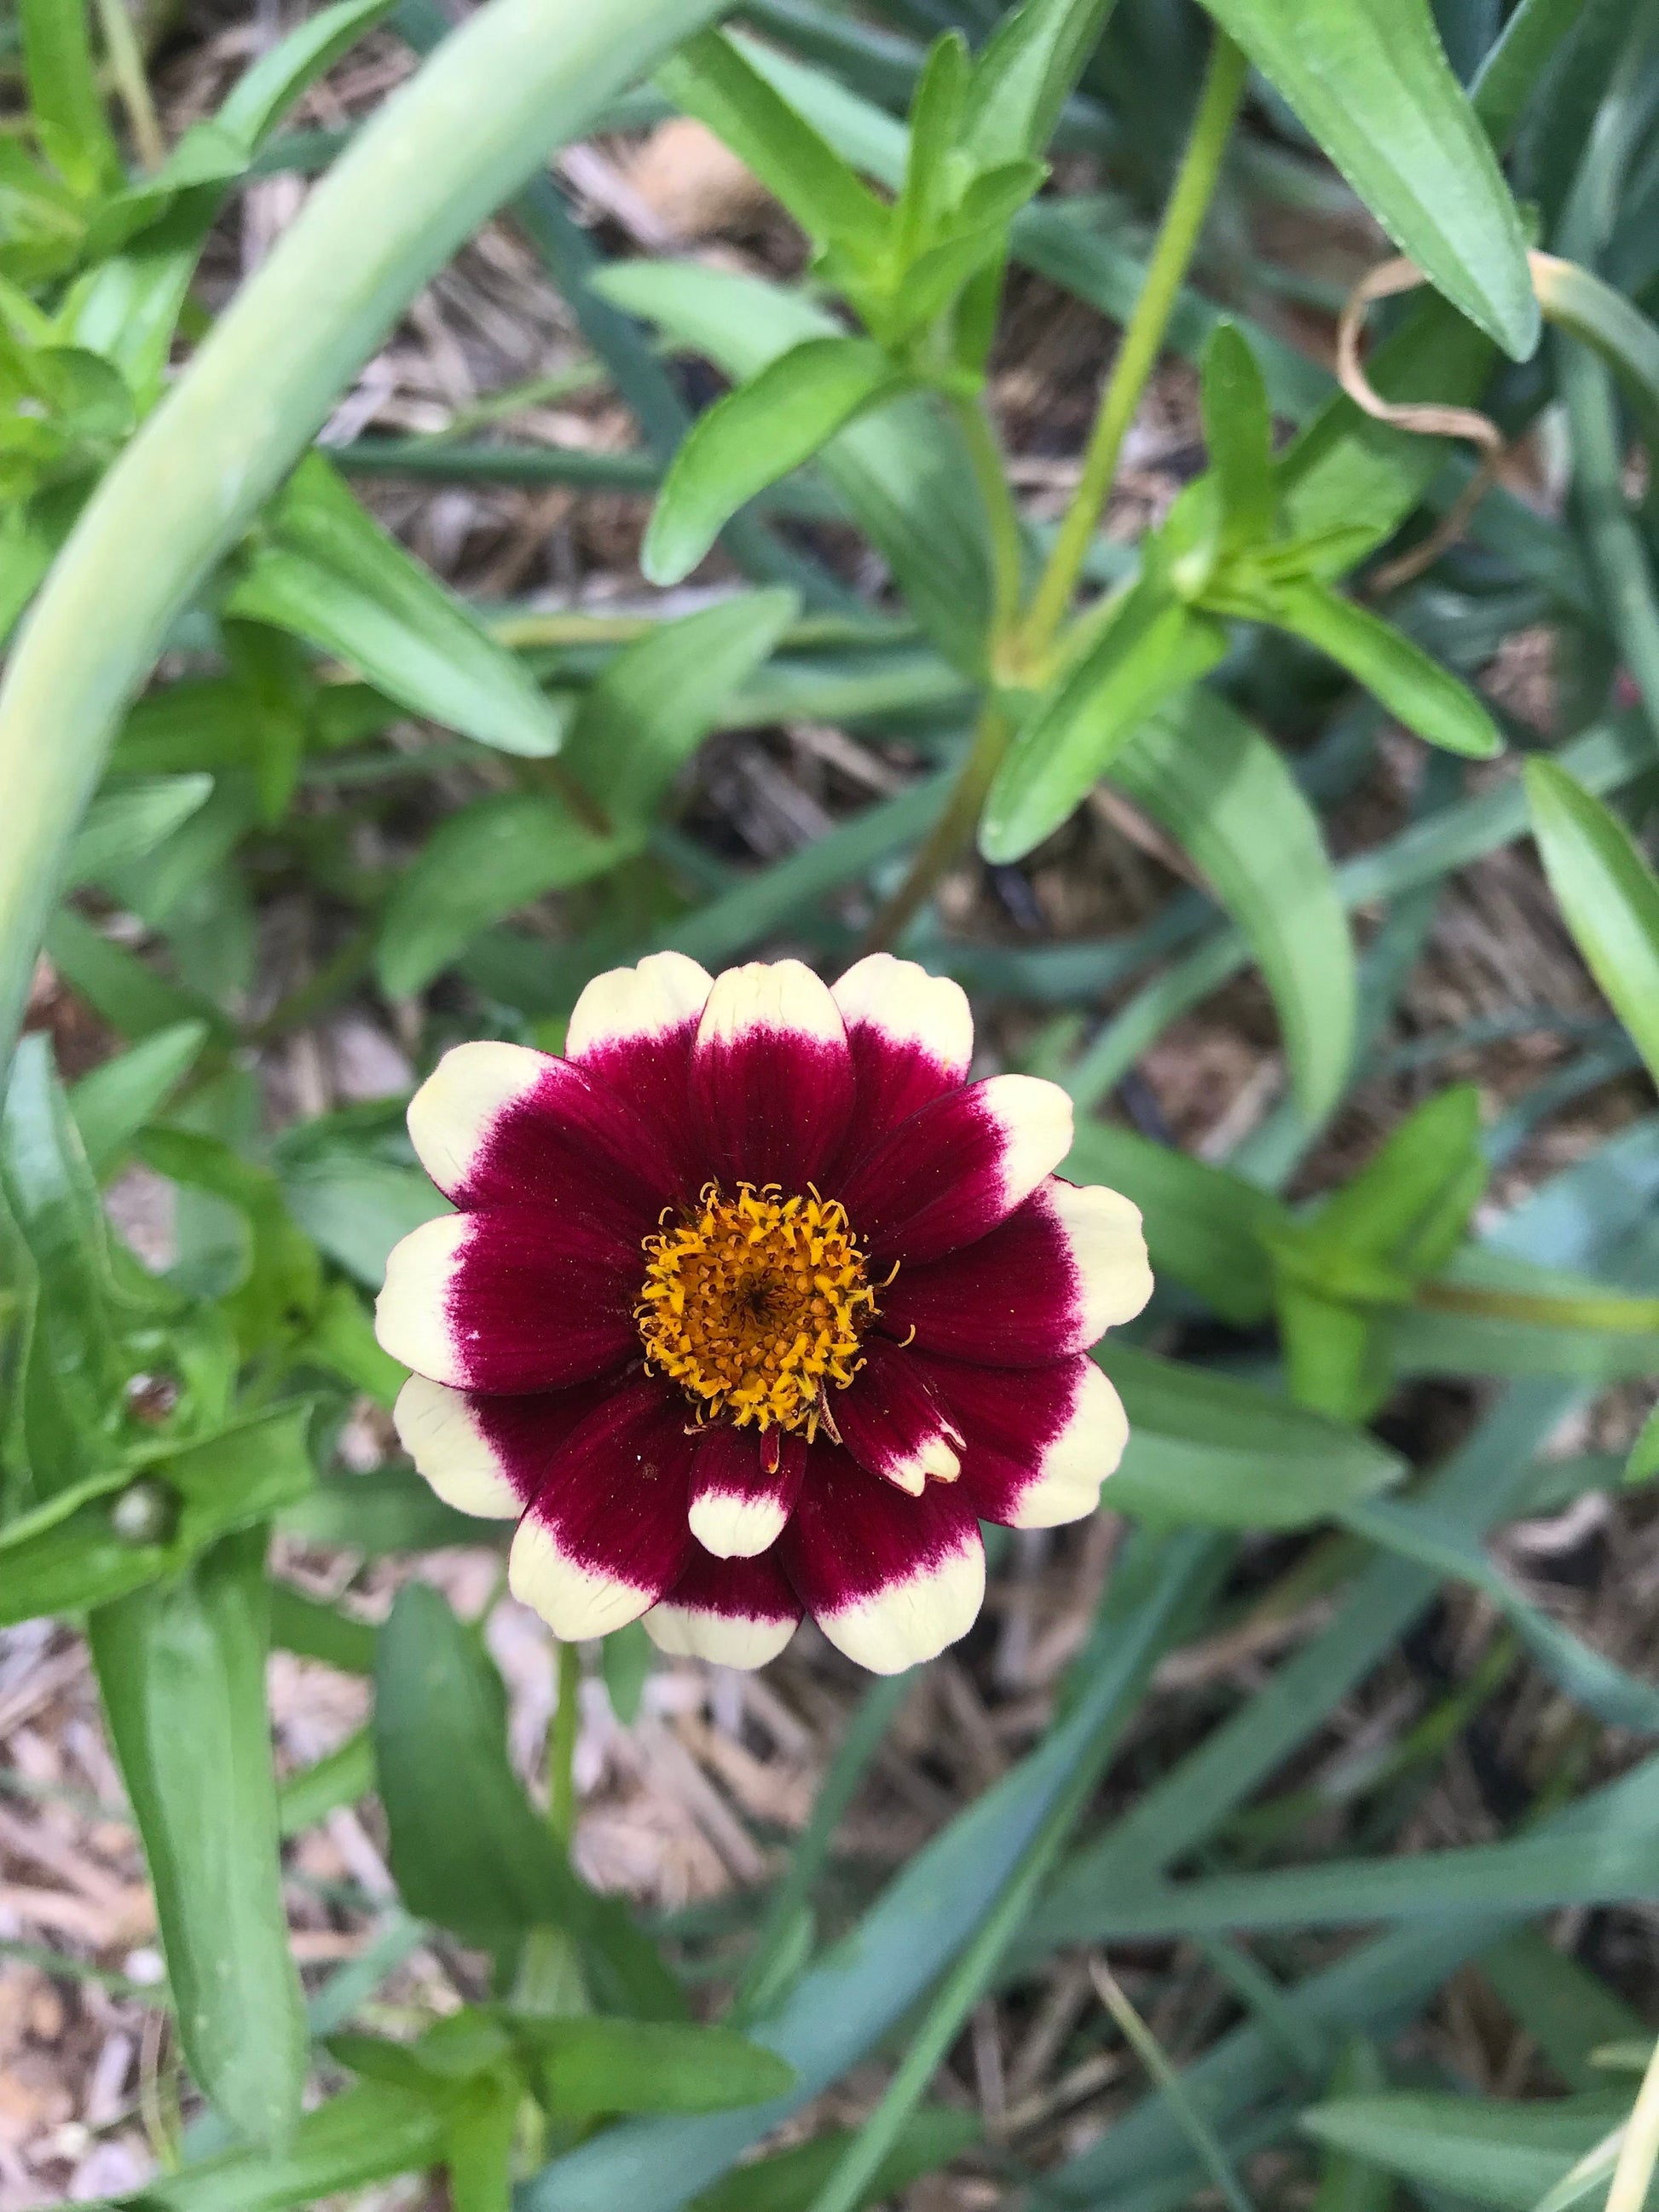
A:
754,1305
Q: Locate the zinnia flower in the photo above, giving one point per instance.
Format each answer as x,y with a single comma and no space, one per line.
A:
754,1305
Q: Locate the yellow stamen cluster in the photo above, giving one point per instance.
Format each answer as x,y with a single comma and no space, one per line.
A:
754,1306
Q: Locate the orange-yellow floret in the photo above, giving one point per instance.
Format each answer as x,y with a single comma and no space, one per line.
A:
755,1305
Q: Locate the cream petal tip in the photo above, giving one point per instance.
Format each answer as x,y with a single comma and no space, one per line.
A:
724,1639
576,1603
912,1620
770,995
737,1527
436,1427
1036,1120
1108,1250
665,990
451,1115
1078,1461
905,1004
412,1313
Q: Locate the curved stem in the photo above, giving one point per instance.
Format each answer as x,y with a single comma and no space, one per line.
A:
561,1748
1143,340
950,836
1007,565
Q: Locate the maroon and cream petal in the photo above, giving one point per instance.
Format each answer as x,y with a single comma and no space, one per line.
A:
605,1534
500,1125
771,1075
1065,1266
737,1613
487,1456
893,1425
955,1169
911,1035
890,1580
1037,1442
520,1300
739,1504
633,1028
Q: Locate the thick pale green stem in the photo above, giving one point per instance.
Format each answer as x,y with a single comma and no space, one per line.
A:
420,180
952,834
1143,340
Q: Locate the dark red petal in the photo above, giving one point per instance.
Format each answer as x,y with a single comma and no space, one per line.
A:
516,1301
632,1030
911,1036
953,1171
890,1580
772,1077
1037,1442
498,1125
737,1613
892,1424
489,1455
743,1488
605,1534
1065,1266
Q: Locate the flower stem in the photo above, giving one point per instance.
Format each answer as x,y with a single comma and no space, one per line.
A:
1007,565
127,66
561,1748
1143,340
950,836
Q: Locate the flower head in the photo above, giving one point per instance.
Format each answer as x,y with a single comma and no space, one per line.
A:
753,1305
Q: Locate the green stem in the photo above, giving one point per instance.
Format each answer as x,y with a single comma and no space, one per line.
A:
950,835
1143,340
561,1748
1007,564
127,66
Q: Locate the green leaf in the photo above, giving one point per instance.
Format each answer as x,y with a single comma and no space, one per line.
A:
1348,2183
790,2180
935,122
343,1776
1577,301
468,1848
755,434
127,820
135,1521
63,88
329,572
1238,430
477,866
627,1657
1023,75
1418,692
182,1671
1506,2155
1205,1448
1409,1206
390,1509
903,472
591,2066
112,1104
1643,1462
1607,893
370,2133
478,2145
1226,795
1154,647
1566,2008
276,1297
658,698
1369,80
1203,1225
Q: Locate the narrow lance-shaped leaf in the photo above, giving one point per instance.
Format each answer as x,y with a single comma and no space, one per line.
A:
755,434
1371,81
1238,430
182,1671
63,88
1608,894
1023,73
1155,646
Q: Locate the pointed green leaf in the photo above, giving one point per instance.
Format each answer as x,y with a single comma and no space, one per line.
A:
790,2180
661,696
590,2066
371,2133
1238,430
1505,2155
1023,73
1227,797
1155,646
755,434
128,819
182,1671
1578,300
329,572
1418,692
64,95
1370,79
935,121
113,1103
1608,894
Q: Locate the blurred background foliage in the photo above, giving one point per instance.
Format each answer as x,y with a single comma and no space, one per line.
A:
713,549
